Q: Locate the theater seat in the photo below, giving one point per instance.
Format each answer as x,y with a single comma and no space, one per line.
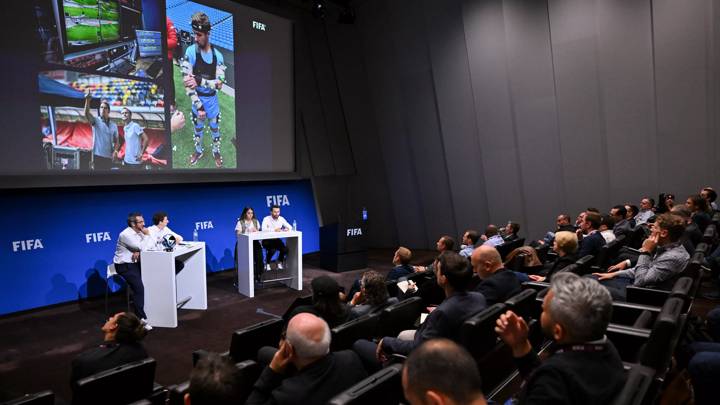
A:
382,388
38,398
507,247
637,383
399,317
248,373
682,288
584,265
664,336
608,252
524,304
176,394
245,342
477,334
364,327
127,383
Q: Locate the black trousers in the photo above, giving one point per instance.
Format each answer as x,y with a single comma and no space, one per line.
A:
131,274
272,246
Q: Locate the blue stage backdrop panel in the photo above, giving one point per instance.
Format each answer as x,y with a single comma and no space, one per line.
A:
57,243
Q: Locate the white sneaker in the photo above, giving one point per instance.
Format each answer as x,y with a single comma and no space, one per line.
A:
267,267
280,266
146,325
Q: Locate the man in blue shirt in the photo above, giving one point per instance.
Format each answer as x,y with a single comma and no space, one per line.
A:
203,75
105,135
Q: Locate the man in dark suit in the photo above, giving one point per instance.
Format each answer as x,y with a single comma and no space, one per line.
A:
303,371
453,275
496,283
622,225
123,333
591,240
584,367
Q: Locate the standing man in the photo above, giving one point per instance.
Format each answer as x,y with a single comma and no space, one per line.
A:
275,223
136,140
131,241
105,135
203,75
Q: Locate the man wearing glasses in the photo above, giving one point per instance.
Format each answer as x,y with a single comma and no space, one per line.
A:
136,141
105,136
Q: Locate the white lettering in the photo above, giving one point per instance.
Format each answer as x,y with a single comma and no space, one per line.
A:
203,225
259,26
28,244
95,237
354,232
279,200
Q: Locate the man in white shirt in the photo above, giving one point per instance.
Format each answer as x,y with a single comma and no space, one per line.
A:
646,211
159,230
274,223
136,140
131,241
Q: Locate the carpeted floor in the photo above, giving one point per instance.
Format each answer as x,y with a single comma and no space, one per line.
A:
36,347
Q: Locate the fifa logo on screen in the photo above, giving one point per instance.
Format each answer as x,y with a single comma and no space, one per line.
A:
279,200
203,225
97,237
259,26
354,232
28,244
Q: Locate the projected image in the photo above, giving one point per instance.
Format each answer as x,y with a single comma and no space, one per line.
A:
101,123
203,77
117,36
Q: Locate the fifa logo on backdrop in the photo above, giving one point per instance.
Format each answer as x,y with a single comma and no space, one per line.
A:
95,237
280,200
203,225
28,244
354,232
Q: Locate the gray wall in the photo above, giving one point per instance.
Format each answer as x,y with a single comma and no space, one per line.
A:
445,115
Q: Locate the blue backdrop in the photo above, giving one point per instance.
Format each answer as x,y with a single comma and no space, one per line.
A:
56,244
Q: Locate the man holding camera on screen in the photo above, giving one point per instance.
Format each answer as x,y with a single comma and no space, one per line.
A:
105,135
203,71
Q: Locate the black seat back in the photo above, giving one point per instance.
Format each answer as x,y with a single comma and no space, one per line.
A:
507,247
627,340
660,346
609,251
584,265
636,237
517,262
381,388
299,301
523,304
637,382
248,372
126,383
710,233
702,248
364,327
176,394
39,398
399,317
477,334
245,342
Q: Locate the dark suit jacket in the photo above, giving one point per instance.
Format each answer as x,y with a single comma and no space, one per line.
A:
558,264
105,357
444,321
622,227
590,245
403,270
315,384
502,285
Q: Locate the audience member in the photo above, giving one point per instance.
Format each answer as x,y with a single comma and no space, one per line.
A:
710,195
699,208
565,246
214,381
317,374
123,333
492,236
445,243
496,283
607,222
401,261
562,223
646,212
470,238
326,302
372,296
453,275
662,257
441,372
584,367
665,203
619,216
692,235
510,232
589,237
632,211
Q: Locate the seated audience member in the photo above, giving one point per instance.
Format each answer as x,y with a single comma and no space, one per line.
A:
622,225
303,370
401,261
704,370
565,246
699,209
510,233
692,235
606,228
662,257
326,302
122,335
496,283
584,366
492,236
372,296
214,381
590,239
562,223
441,372
710,196
666,202
470,238
646,212
632,211
453,275
445,243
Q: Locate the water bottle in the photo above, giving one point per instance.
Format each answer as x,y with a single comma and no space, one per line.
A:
294,225
195,235
364,214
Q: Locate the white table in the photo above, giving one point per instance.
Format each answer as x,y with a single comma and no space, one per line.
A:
293,260
164,289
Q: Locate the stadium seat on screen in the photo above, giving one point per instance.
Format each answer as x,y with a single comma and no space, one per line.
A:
136,379
38,398
399,317
246,342
382,388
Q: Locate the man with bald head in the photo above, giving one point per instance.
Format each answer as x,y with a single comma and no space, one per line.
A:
441,372
496,283
303,370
